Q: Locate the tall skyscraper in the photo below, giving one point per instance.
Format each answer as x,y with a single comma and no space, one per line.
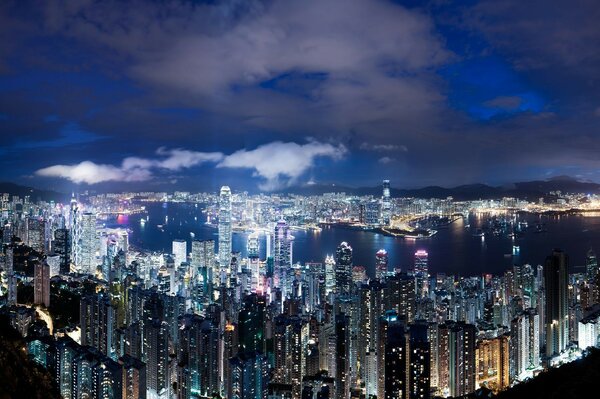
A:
61,245
282,256
36,234
10,275
203,262
225,228
87,244
556,284
457,358
386,204
179,252
41,284
343,268
591,265
421,262
381,264
97,318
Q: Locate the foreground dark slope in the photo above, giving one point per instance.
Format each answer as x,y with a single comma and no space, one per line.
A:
575,380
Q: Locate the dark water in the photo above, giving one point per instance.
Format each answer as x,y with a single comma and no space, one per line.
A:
453,250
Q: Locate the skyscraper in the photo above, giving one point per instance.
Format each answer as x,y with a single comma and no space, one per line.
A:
179,252
10,275
87,245
343,268
282,256
591,265
386,204
61,245
421,262
225,228
41,283
556,284
381,264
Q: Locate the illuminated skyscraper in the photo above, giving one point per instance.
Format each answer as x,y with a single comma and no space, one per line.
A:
591,265
203,262
61,245
282,256
421,262
179,252
225,228
381,264
36,234
556,284
329,274
10,275
41,284
386,204
343,268
87,244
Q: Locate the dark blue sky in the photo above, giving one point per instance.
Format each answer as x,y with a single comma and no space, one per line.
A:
266,94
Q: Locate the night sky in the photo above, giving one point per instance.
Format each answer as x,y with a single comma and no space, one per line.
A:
113,95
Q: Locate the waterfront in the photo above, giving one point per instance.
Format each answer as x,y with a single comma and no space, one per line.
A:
453,250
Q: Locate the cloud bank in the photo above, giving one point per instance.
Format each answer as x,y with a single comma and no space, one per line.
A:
278,164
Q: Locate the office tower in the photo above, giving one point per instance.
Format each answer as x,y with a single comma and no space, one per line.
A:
179,252
53,261
421,262
329,274
156,350
253,249
203,261
343,269
10,275
591,265
87,245
134,378
75,231
36,232
41,284
282,256
524,344
97,320
381,264
386,204
225,229
556,281
249,376
61,245
492,363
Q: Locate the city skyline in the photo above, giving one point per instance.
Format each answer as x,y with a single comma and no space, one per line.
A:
268,94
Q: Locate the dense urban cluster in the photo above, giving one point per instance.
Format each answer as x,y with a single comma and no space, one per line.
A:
111,321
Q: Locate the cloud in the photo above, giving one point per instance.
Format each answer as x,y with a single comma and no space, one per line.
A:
131,169
281,164
383,147
386,160
278,163
91,173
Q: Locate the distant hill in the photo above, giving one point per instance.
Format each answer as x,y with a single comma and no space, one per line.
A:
34,193
531,190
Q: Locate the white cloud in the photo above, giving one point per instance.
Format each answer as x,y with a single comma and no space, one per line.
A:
131,169
383,147
386,160
92,173
279,163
